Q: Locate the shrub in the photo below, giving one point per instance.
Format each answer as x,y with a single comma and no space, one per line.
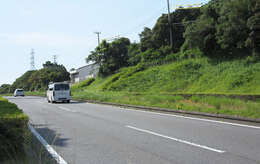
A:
13,125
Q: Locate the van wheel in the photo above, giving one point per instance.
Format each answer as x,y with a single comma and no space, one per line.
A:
68,101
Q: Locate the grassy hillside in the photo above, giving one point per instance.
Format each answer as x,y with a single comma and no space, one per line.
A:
156,86
186,76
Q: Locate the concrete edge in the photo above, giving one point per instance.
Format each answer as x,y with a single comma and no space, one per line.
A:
222,116
49,150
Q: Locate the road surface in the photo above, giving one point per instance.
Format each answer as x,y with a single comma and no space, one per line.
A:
84,133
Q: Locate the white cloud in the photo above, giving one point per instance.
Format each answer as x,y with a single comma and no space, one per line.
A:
42,39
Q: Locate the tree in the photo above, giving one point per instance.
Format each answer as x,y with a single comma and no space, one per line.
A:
48,64
253,24
180,19
146,39
110,56
202,33
231,28
134,53
23,81
226,29
159,36
5,88
39,79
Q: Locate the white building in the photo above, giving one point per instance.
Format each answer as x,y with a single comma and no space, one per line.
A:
83,73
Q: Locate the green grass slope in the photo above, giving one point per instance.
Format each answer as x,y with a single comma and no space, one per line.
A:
186,76
155,86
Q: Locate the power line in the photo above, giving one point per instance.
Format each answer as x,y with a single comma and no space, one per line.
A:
133,30
170,23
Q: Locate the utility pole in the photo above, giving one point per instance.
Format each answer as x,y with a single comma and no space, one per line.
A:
32,60
170,24
98,33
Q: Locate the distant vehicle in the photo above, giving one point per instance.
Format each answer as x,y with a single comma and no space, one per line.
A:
58,92
18,92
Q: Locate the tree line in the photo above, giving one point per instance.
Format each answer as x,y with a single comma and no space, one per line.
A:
38,79
221,29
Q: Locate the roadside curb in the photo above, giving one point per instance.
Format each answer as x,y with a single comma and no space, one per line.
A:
53,156
222,116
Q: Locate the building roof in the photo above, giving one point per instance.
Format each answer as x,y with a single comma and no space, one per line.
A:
89,65
77,70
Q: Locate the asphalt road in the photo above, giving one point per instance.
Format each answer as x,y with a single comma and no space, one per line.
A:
84,133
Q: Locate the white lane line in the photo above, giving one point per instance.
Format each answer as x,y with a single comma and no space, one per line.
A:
198,119
52,152
67,109
177,140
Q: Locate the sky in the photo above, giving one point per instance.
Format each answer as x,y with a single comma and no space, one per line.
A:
66,28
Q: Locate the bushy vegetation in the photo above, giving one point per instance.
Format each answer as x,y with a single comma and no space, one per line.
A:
38,80
221,29
5,88
13,126
154,44
110,56
225,28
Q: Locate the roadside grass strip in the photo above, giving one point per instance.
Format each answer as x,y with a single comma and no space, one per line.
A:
13,126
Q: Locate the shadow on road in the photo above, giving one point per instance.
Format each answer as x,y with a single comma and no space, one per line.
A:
51,136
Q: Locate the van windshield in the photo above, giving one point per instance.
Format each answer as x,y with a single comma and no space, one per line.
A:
61,87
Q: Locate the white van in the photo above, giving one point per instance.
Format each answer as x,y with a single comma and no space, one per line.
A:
18,92
58,92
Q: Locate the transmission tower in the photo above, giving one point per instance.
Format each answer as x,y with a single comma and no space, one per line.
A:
98,35
55,59
32,63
